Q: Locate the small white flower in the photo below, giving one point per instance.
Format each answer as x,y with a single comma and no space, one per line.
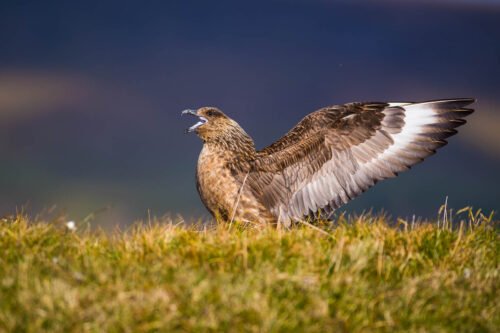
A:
467,273
71,225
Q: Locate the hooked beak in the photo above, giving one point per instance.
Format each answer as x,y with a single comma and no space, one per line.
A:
202,121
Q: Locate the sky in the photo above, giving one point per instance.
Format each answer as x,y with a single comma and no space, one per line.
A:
91,94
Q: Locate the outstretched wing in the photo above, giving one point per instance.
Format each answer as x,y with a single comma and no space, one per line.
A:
338,152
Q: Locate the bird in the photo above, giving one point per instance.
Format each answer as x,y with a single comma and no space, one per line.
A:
330,157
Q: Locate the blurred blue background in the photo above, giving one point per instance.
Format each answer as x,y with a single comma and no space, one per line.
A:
91,94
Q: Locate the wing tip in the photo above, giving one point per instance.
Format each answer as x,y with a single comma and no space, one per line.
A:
453,103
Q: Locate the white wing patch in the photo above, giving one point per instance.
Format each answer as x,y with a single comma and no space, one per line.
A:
416,117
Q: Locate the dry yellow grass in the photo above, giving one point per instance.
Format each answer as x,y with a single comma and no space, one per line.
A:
359,275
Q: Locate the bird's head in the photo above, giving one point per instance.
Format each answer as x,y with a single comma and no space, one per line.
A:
212,124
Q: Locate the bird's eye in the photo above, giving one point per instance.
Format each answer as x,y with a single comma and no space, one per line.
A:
211,113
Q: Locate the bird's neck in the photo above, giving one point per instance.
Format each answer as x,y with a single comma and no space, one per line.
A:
236,145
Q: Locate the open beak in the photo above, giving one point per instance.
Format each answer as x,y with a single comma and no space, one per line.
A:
202,120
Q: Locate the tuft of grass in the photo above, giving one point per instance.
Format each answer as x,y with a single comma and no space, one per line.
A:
359,274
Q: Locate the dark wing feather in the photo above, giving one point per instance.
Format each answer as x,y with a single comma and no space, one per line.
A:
336,153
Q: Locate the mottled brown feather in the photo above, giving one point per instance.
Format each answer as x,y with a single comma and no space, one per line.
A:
336,153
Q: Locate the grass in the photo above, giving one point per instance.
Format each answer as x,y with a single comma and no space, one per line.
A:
359,274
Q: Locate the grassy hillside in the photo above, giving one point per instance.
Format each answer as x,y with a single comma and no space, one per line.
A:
357,275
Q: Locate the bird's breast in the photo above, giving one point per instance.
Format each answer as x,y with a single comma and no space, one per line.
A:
217,185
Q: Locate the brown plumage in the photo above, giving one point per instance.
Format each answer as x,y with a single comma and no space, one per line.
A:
330,157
